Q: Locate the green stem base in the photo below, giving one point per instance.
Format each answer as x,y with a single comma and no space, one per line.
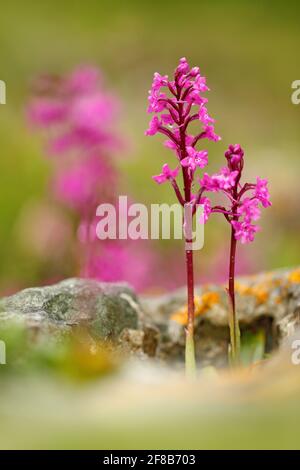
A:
190,360
234,350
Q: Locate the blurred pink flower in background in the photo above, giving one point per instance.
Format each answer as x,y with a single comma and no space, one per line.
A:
43,230
79,119
82,184
138,263
121,260
77,110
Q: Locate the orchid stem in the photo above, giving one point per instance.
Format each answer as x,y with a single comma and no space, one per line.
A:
234,349
190,361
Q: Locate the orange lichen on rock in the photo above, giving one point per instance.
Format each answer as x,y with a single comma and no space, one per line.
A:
243,289
202,304
260,291
294,276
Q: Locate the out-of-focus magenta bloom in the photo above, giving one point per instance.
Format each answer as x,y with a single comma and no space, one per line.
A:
166,174
84,79
45,112
93,111
79,116
81,186
77,110
123,260
243,209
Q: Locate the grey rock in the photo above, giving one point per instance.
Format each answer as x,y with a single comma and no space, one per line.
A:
147,326
105,309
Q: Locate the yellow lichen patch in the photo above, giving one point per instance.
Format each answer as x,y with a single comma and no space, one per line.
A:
243,289
294,276
259,291
276,282
261,294
202,304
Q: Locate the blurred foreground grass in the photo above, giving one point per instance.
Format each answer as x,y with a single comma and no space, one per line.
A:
108,404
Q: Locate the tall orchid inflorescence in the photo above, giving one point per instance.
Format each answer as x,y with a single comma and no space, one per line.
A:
176,104
243,209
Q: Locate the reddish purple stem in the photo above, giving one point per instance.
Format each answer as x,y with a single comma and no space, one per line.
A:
187,196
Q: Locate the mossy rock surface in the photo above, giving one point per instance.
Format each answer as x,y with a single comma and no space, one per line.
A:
105,309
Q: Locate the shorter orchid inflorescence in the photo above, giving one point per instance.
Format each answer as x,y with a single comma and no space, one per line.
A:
242,210
244,200
176,104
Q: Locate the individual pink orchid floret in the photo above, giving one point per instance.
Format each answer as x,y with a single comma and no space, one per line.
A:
170,144
234,150
167,174
204,117
200,83
226,178
205,202
183,67
249,209
167,119
193,97
195,159
159,81
153,126
234,156
210,134
223,180
262,192
244,231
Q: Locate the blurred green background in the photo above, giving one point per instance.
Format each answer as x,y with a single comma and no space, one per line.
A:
247,49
